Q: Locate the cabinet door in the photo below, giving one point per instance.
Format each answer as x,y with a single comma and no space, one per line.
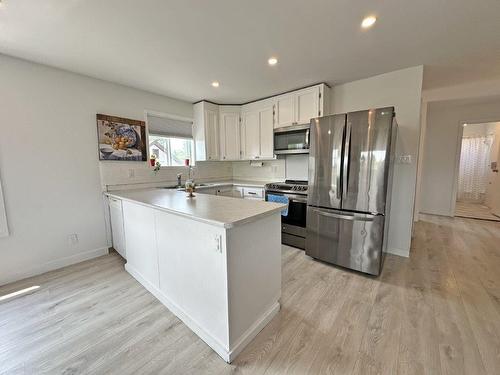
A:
140,236
226,191
266,132
251,128
306,105
237,192
116,218
212,135
285,112
230,136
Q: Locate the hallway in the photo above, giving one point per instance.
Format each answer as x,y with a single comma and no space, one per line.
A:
474,211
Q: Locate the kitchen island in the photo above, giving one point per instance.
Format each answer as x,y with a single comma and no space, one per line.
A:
214,261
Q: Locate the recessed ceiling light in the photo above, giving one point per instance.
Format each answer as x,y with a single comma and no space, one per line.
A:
215,84
368,22
272,61
465,124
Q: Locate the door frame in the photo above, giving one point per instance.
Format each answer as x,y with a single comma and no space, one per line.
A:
458,152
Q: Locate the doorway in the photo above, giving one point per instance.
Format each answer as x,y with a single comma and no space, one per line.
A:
476,195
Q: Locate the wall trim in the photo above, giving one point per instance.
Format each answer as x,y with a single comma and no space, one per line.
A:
53,265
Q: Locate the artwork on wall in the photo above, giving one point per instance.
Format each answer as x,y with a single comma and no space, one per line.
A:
121,138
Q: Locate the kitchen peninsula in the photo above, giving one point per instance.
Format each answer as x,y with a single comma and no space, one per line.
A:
214,261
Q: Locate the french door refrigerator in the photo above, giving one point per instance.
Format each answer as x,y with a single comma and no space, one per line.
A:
350,177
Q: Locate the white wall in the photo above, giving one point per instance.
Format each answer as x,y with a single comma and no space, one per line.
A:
49,162
4,228
442,147
272,170
479,130
401,89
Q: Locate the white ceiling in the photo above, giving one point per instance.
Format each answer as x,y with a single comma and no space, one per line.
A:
177,48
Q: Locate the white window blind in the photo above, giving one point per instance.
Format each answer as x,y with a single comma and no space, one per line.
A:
4,230
170,127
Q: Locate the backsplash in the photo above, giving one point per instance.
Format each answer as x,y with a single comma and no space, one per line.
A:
124,175
297,167
272,170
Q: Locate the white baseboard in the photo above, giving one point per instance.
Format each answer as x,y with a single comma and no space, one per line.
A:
398,252
53,265
253,331
224,351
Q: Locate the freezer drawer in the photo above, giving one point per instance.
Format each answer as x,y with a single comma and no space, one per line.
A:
347,239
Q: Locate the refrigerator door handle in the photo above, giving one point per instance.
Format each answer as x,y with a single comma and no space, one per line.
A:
346,162
353,217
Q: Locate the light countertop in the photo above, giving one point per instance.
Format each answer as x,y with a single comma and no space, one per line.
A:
246,183
216,210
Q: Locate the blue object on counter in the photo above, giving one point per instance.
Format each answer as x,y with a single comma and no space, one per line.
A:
279,199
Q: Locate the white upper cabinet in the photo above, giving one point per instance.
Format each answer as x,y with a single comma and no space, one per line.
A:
257,130
307,105
266,136
299,107
206,131
285,110
212,129
234,132
250,134
229,132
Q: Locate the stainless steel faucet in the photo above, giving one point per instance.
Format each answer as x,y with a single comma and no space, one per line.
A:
179,176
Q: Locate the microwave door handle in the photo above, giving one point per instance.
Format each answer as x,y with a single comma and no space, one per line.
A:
344,216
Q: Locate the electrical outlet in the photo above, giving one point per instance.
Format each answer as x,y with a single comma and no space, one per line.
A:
405,159
73,239
131,173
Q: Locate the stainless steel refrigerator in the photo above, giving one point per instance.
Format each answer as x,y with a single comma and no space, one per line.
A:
350,178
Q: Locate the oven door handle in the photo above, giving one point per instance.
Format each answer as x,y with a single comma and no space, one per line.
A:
297,200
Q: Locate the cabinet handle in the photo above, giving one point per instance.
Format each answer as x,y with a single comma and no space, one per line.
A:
251,193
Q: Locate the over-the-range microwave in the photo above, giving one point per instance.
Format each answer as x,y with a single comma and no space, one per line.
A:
292,139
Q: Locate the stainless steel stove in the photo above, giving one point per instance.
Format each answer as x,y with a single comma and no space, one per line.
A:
293,225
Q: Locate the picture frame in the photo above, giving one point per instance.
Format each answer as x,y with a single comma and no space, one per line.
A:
121,139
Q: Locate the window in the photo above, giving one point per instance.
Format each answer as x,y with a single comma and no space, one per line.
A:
170,151
170,139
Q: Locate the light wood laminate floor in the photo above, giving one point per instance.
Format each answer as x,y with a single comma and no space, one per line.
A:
435,313
474,211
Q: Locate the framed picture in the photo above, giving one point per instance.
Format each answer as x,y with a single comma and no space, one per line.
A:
121,138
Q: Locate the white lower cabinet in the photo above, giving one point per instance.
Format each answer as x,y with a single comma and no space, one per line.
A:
140,234
117,231
192,271
211,277
225,191
253,193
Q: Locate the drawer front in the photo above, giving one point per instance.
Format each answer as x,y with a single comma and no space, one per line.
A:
253,193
